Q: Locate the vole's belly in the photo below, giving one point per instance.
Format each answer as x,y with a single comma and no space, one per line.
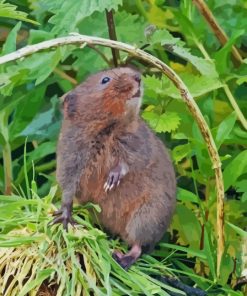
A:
119,205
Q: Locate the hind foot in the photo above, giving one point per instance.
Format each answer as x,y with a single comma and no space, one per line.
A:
126,260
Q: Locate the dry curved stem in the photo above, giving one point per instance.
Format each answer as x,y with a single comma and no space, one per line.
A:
81,40
218,31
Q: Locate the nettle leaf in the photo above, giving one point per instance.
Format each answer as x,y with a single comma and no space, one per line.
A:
176,46
10,43
197,85
9,10
136,26
166,122
35,68
69,13
89,61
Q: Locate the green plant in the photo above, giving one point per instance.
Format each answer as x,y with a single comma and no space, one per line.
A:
29,109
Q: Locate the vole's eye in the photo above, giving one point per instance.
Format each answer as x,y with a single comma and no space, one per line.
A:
105,80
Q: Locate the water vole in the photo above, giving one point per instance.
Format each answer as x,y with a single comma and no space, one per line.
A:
108,155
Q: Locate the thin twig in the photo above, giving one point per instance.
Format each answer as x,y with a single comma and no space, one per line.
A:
235,106
65,76
227,91
185,95
101,54
218,31
112,35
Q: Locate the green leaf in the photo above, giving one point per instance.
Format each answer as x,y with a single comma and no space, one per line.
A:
166,122
238,230
69,13
188,251
185,195
235,169
222,56
40,277
176,46
15,241
25,111
188,227
33,68
41,121
10,43
9,10
225,128
226,268
197,85
180,152
34,156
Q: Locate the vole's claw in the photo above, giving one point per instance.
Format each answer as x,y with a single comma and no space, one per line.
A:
113,180
124,261
64,217
58,212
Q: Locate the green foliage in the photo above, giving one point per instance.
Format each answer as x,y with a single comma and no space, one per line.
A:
176,33
9,11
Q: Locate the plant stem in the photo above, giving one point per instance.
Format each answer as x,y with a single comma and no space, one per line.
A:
113,36
227,91
65,76
141,9
101,54
7,158
218,31
7,163
235,106
185,95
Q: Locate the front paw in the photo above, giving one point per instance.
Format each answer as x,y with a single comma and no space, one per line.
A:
63,216
112,180
115,175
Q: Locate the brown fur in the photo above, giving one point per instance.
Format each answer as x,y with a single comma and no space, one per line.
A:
99,130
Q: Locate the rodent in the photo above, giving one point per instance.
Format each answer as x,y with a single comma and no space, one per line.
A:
108,155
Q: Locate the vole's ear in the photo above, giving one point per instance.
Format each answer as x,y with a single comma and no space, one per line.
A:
69,105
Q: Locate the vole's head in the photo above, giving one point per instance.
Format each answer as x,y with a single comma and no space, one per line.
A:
115,92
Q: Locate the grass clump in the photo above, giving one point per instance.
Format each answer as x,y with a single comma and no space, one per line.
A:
38,259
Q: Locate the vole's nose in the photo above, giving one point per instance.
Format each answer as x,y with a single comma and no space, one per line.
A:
137,78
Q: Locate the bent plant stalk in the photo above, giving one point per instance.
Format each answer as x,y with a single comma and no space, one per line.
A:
7,158
83,40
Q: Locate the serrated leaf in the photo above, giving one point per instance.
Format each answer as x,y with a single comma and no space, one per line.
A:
176,46
10,43
166,122
9,11
197,85
69,13
35,68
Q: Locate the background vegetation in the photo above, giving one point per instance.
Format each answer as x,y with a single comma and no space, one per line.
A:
36,259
